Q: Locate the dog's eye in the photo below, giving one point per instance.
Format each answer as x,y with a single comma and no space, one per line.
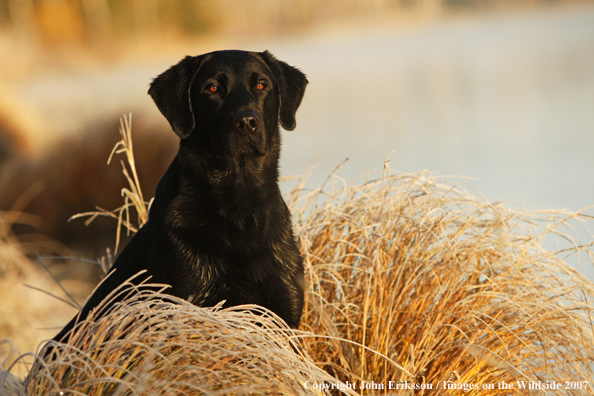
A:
213,88
260,86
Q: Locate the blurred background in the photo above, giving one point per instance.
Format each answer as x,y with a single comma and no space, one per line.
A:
500,91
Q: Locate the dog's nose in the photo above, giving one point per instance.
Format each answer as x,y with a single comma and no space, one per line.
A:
246,122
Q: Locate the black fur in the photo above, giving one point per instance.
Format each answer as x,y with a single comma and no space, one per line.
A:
218,228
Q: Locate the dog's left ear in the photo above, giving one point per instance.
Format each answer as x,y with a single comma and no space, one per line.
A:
291,85
171,93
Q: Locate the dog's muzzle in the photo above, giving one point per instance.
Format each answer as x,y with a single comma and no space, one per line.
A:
248,123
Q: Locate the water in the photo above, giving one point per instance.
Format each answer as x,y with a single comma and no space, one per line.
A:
506,99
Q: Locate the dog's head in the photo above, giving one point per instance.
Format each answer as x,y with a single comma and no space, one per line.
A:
229,103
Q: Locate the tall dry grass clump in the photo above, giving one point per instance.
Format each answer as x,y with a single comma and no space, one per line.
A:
414,285
416,271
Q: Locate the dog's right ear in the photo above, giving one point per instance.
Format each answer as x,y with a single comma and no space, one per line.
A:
171,93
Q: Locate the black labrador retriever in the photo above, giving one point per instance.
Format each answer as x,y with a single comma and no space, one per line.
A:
218,228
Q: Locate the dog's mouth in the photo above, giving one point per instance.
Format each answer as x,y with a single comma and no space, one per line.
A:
259,146
249,145
236,145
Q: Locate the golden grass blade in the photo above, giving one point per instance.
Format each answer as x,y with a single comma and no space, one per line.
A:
132,195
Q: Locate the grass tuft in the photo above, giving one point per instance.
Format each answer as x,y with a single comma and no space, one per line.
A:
449,286
155,344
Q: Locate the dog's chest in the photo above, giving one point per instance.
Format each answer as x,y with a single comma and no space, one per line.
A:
216,279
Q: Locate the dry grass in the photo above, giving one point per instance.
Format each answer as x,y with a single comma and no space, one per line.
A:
133,198
449,286
26,314
411,279
167,346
